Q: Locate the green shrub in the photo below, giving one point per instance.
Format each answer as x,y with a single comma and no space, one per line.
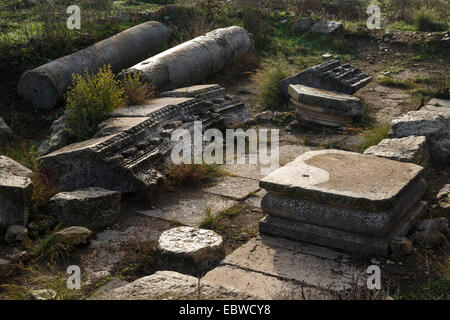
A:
270,94
136,91
425,20
90,99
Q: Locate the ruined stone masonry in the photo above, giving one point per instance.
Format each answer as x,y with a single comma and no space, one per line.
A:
132,147
322,94
343,200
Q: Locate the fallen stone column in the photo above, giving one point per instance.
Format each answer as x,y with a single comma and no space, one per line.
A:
45,85
195,60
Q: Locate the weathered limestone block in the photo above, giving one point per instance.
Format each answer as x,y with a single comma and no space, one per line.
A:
413,149
334,176
190,250
5,130
58,138
93,208
73,235
45,85
340,239
194,61
330,75
15,192
169,285
326,27
418,123
433,121
428,238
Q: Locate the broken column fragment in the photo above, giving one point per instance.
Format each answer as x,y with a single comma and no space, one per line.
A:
330,75
45,85
324,107
194,61
343,200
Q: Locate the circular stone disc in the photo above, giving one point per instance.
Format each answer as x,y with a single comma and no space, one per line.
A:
189,240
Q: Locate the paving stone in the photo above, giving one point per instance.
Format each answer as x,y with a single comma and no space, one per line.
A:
264,287
335,103
235,188
169,285
286,261
417,123
15,192
413,149
188,206
330,176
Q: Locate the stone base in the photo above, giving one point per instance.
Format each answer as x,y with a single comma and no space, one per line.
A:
319,115
343,240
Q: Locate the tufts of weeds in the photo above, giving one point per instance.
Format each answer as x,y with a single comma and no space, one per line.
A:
50,249
374,136
396,83
270,94
425,19
210,221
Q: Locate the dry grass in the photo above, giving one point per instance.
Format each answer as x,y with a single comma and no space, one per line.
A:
192,175
136,91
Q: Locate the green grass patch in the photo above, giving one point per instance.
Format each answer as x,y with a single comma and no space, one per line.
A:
374,136
396,83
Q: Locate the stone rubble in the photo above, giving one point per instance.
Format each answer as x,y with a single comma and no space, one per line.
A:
73,235
322,94
132,148
413,149
431,121
321,199
437,224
